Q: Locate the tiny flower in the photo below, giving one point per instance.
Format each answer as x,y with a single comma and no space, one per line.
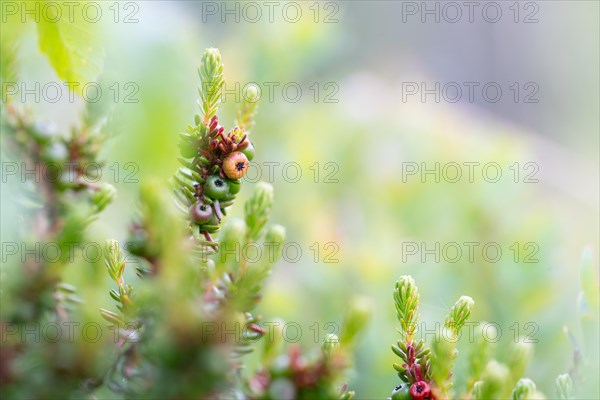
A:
420,390
236,134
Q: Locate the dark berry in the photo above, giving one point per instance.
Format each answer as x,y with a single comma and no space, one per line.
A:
201,213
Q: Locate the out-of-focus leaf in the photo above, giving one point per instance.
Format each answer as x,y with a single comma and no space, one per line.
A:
69,43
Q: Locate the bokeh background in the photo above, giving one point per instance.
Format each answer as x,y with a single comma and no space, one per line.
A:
351,123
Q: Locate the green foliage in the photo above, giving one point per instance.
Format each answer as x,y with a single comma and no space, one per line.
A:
443,355
212,162
406,297
581,378
211,76
246,289
519,358
57,209
67,200
8,66
69,44
487,378
331,344
480,351
192,274
459,313
525,390
115,265
589,283
229,282
245,116
564,386
494,383
257,209
313,375
356,319
434,368
443,347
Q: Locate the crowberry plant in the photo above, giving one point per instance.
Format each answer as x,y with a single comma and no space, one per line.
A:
182,307
427,372
155,354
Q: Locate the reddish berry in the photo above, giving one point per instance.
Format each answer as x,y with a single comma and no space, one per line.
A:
420,390
235,165
200,213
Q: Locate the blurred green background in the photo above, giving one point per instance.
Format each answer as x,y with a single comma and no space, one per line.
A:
362,140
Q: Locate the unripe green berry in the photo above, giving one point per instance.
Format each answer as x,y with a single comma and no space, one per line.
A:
401,392
249,151
234,186
216,187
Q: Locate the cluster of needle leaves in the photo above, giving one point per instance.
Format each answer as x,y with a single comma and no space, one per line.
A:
426,370
215,324
56,179
185,291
